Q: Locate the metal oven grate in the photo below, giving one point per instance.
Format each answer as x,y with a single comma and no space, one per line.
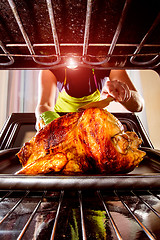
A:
79,215
123,34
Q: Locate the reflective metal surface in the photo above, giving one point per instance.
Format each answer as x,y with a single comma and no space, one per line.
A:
80,215
104,34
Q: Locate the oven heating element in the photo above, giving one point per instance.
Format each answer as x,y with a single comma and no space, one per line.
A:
116,49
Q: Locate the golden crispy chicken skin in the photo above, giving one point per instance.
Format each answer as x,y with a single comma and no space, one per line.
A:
89,141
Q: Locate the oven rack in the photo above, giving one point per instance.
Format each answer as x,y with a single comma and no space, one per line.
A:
132,205
115,53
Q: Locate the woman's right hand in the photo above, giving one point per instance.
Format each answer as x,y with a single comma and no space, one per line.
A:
116,89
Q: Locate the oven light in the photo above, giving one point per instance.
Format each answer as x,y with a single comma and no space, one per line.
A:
71,63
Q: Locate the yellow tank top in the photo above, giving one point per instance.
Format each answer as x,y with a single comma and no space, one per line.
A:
66,103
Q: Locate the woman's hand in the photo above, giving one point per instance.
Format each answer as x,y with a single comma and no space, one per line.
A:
121,88
39,124
117,89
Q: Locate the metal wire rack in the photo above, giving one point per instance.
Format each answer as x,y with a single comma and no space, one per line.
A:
65,215
85,29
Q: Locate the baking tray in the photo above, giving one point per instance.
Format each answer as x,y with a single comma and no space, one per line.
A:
14,133
145,176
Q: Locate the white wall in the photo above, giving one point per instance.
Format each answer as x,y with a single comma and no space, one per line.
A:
18,92
3,95
151,91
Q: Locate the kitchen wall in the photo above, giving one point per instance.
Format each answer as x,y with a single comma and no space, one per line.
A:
3,96
18,92
150,81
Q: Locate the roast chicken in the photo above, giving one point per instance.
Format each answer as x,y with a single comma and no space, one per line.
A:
91,141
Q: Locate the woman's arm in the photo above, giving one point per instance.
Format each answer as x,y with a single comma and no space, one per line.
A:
47,86
122,89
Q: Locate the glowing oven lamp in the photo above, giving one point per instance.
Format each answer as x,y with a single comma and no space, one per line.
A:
71,63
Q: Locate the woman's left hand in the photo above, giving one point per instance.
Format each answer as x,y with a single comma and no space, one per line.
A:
117,89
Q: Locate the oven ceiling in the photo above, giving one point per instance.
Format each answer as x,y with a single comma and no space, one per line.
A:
37,34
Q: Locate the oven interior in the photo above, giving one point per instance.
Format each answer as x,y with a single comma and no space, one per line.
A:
40,35
119,33
90,215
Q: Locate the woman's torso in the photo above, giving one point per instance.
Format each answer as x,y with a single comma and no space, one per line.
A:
80,82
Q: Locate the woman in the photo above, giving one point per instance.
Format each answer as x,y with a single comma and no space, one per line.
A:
80,86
